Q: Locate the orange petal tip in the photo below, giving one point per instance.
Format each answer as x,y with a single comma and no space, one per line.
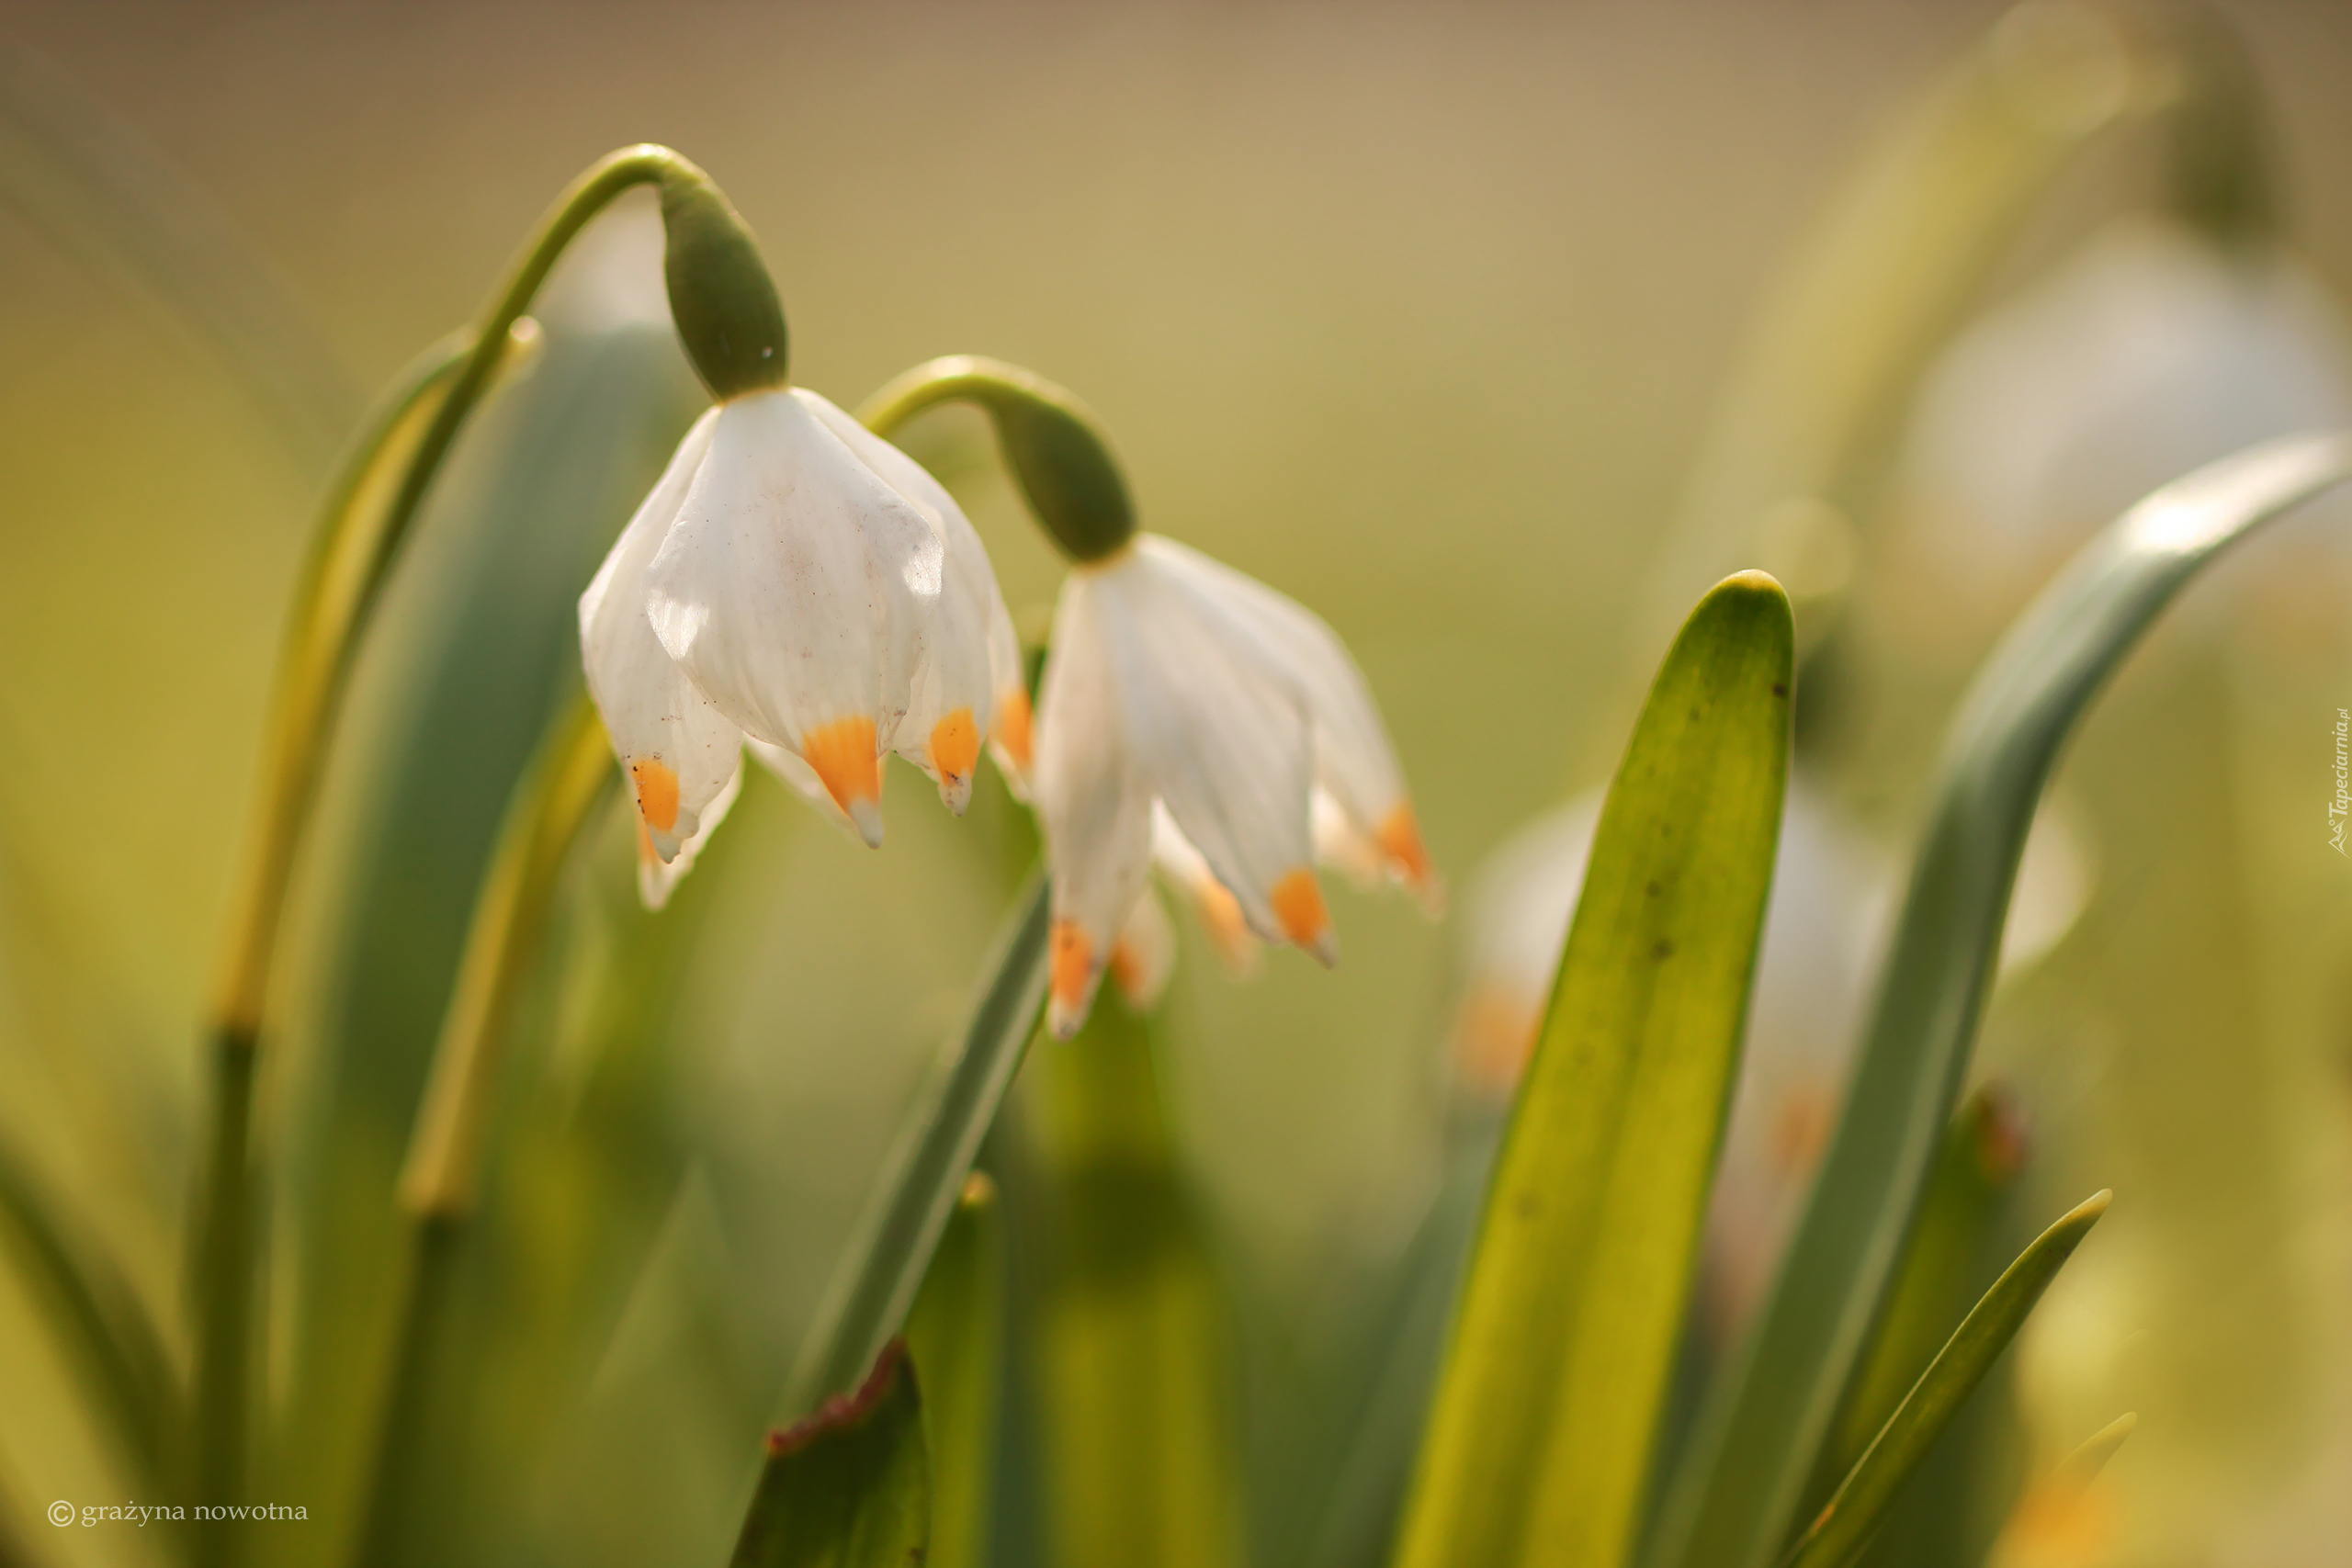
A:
1400,838
657,792
1297,899
843,756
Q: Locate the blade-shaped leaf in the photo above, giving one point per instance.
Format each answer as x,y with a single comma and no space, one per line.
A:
97,1314
1845,1526
1940,1277
850,1487
1735,1497
955,1335
1539,1446
870,1296
1133,1350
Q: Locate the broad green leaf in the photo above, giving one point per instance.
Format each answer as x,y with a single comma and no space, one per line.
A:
850,1487
871,1295
1133,1349
1538,1451
955,1335
1845,1526
1737,1491
97,1315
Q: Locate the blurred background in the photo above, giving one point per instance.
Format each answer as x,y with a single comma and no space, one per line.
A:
1466,325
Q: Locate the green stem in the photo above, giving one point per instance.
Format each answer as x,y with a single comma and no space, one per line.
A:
360,538
870,1297
341,580
555,801
1055,448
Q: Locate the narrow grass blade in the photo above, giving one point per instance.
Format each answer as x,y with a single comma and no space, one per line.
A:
1845,1526
870,1297
850,1487
955,1335
1738,1489
1539,1446
99,1318
1134,1346
1940,1277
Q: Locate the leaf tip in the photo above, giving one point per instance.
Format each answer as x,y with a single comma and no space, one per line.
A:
840,1411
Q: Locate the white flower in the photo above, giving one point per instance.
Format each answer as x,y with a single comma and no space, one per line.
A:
2149,353
1181,691
797,582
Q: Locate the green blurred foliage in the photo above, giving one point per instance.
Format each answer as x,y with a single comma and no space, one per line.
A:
1417,313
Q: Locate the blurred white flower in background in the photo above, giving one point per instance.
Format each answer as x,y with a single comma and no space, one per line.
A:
1821,933
2151,351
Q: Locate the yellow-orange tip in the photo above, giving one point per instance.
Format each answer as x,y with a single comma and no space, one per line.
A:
1298,905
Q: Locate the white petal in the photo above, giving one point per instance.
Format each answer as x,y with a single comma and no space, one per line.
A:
678,749
657,878
1222,735
950,707
1091,803
1144,956
1213,903
798,591
1353,759
802,780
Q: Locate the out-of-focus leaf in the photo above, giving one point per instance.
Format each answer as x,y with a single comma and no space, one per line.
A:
98,1315
1135,1337
1737,1493
1939,1280
871,1295
119,204
1881,277
850,1487
1351,1523
1845,1526
466,665
2060,1507
955,1335
1539,1446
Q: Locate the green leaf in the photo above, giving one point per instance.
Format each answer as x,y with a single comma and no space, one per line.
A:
1900,251
850,1487
1845,1526
98,1316
1940,1277
1539,1446
870,1297
1737,1493
955,1335
1134,1350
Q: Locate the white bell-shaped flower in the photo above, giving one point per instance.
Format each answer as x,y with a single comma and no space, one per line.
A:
797,581
1180,688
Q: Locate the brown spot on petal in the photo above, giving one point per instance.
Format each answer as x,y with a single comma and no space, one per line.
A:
955,746
657,792
844,757
1297,899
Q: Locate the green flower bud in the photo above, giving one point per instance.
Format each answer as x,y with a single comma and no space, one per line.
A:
728,318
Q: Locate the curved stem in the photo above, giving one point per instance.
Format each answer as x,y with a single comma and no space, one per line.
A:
555,801
1056,449
338,585
357,541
